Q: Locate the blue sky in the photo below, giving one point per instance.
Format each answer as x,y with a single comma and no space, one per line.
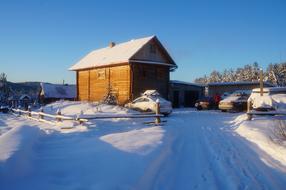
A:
40,40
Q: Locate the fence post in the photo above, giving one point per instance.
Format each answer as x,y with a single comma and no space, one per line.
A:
249,116
261,81
29,111
80,115
40,114
157,119
59,113
248,106
19,110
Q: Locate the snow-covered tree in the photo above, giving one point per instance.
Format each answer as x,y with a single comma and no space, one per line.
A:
276,73
202,80
249,72
215,76
4,89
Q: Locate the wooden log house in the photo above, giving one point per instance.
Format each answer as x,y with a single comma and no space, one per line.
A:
126,69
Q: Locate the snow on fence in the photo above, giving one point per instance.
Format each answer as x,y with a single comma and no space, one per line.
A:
250,113
41,116
84,118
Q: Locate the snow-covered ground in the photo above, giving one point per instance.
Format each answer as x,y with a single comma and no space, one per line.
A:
192,150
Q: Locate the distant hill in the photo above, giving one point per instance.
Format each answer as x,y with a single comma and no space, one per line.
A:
30,88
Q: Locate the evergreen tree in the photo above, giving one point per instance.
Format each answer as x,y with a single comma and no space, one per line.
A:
4,89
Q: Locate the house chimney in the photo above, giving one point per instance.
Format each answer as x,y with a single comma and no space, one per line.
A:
111,44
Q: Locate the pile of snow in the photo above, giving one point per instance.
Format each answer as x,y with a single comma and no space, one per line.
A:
262,132
17,150
272,98
77,109
141,141
16,139
73,108
111,155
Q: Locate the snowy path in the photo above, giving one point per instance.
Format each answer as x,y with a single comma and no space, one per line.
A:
202,152
199,150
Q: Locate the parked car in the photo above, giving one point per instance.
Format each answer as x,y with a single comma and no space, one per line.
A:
147,103
4,109
224,95
273,99
205,103
237,101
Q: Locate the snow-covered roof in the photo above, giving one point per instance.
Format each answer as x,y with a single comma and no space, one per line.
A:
13,97
237,83
151,93
25,96
58,90
119,53
186,83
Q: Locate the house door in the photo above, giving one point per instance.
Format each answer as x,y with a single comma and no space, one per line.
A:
175,99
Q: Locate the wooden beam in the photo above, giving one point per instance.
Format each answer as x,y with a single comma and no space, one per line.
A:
261,82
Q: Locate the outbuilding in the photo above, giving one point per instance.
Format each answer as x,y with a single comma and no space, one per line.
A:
53,92
124,71
185,94
229,87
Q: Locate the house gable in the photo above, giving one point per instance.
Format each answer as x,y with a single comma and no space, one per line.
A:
144,49
151,52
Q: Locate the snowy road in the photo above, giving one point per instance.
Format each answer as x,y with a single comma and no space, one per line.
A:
201,151
198,150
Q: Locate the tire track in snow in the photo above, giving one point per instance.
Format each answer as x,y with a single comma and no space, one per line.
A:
199,154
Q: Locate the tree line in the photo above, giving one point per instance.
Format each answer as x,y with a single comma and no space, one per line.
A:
275,74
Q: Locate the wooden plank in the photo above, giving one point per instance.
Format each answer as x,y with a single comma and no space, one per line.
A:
144,79
266,113
98,80
121,116
83,85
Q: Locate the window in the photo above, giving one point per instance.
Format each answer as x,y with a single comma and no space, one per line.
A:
101,74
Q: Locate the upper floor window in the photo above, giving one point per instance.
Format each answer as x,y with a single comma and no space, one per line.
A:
101,74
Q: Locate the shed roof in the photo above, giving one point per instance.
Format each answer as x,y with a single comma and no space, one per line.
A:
120,53
186,83
58,91
25,96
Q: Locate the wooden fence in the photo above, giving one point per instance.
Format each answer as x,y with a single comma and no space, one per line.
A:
58,117
250,112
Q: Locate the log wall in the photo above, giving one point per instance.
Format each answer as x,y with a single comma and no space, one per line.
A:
93,84
149,77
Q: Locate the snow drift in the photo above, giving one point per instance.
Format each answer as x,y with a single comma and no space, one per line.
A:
17,149
141,141
261,132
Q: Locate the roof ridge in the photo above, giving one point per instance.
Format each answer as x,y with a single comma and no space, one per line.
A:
118,53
